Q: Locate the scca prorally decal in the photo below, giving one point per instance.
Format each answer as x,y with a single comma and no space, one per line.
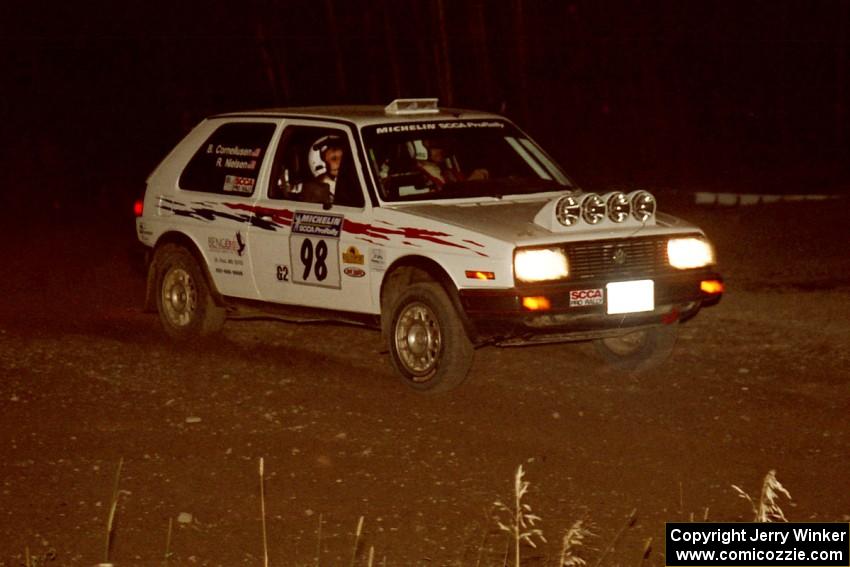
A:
271,219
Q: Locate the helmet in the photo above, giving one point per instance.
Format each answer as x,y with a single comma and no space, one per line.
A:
317,151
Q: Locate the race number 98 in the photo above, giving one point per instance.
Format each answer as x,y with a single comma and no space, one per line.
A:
307,259
316,261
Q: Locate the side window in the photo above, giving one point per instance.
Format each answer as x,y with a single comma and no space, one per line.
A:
315,165
229,161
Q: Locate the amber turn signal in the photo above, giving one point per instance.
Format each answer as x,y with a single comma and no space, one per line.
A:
539,303
479,275
712,287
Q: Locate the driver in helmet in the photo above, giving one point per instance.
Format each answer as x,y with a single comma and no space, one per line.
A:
324,158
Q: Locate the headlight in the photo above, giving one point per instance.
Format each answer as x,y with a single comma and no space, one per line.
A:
643,205
540,265
684,253
619,206
592,208
567,210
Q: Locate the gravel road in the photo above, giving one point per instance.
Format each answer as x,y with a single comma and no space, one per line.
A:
759,382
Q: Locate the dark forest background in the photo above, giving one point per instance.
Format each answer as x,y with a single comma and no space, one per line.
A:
743,96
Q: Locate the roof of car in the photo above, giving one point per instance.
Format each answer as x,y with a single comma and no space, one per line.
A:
363,115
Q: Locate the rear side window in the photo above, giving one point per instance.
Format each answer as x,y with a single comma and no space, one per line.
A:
229,161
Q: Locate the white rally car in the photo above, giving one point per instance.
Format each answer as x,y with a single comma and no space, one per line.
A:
446,229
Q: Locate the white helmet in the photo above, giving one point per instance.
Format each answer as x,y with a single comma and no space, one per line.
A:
317,151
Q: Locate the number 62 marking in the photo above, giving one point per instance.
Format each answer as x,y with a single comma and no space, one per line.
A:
282,273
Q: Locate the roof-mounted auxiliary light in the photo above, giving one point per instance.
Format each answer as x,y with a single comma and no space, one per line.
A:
618,205
592,208
568,210
643,205
408,106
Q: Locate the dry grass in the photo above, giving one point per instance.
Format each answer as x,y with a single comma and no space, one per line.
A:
517,520
167,555
521,521
572,545
113,509
767,509
357,540
263,516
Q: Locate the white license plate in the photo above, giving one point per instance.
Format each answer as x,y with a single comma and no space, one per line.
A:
630,297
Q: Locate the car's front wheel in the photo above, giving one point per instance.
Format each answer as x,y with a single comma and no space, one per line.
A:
427,342
184,301
639,350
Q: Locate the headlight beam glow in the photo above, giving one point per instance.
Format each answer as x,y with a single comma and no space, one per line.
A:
687,253
540,265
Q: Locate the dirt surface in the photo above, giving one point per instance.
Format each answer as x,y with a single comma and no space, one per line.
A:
759,382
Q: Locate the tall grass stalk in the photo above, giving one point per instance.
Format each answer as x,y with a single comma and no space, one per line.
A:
357,540
263,516
113,507
767,510
571,543
630,521
168,542
647,551
488,514
521,523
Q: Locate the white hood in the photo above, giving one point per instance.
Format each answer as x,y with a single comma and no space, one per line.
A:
514,222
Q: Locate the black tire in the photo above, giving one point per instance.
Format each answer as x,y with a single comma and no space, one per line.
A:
183,299
427,342
640,350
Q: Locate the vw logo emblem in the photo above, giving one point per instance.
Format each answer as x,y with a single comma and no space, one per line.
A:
619,257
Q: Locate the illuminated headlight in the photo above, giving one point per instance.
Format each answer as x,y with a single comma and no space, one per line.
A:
684,253
618,205
567,210
643,205
540,265
592,208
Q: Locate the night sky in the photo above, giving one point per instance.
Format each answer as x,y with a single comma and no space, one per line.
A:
739,96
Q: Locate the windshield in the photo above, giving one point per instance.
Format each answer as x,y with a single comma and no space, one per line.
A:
416,161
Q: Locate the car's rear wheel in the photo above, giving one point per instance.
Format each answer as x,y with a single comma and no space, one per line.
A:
427,342
184,301
639,350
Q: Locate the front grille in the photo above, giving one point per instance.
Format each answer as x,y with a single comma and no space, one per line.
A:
621,258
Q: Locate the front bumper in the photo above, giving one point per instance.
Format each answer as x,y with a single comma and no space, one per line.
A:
499,315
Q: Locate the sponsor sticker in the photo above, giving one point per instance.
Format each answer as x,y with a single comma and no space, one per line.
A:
317,224
354,272
227,245
582,297
426,126
352,256
236,184
314,249
377,259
